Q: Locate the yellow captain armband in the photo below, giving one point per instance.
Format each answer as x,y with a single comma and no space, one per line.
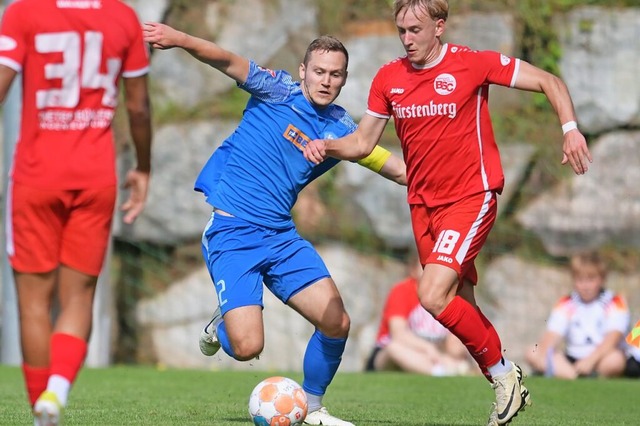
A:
376,159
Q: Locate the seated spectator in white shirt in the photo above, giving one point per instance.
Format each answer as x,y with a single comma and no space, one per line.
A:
586,329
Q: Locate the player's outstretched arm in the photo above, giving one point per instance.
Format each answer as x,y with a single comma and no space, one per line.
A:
139,112
355,146
162,36
574,148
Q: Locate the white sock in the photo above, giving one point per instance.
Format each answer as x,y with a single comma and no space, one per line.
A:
60,386
502,367
314,402
439,370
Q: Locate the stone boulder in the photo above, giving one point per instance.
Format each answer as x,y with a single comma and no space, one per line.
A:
175,213
599,208
601,52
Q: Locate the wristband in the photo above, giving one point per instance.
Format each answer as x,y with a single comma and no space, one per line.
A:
568,126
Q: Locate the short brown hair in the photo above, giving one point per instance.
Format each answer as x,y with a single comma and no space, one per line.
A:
326,43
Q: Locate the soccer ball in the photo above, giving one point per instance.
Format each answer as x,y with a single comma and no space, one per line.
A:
278,401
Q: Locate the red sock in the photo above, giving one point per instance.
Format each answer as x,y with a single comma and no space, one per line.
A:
495,341
35,379
464,321
67,355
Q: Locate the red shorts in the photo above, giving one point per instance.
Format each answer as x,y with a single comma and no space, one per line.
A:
452,235
53,227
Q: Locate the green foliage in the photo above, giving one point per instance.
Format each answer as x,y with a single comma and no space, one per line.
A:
229,105
147,396
188,15
334,15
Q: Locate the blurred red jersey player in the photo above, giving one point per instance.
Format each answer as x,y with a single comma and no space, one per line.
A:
62,189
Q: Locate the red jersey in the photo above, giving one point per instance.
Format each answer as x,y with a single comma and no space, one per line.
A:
71,54
403,302
442,119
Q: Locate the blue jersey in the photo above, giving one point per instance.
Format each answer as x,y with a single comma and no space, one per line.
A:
258,171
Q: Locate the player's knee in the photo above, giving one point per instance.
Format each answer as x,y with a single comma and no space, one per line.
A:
38,312
433,303
612,365
532,355
434,297
538,365
247,349
336,326
345,325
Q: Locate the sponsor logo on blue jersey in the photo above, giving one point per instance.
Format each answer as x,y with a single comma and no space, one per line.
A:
295,136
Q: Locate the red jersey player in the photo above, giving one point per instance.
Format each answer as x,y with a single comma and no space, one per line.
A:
438,97
62,187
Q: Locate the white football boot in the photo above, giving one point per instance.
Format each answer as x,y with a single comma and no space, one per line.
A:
47,411
322,417
511,395
209,343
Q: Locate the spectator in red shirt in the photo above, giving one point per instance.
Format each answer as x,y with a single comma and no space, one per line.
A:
410,339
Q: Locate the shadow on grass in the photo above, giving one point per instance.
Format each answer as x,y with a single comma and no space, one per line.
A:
405,423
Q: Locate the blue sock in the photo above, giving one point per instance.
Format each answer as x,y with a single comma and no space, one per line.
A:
224,340
321,361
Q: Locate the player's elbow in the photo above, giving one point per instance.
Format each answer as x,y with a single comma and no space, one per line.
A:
401,178
397,171
139,112
364,151
137,99
360,150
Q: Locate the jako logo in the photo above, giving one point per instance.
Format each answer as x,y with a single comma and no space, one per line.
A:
397,90
483,351
444,84
445,259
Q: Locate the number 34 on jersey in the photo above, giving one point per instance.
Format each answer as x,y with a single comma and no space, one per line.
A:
79,69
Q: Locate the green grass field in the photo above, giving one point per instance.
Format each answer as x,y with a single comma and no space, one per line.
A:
147,396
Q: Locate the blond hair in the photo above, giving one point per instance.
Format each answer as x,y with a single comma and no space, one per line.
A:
436,9
579,261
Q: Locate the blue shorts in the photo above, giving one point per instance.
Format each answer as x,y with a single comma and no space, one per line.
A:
241,256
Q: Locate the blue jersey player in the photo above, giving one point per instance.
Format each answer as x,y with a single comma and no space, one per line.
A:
252,181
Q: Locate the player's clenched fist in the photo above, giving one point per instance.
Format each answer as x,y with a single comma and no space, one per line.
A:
315,151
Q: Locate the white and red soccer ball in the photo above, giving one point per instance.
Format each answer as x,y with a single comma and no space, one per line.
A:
278,401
